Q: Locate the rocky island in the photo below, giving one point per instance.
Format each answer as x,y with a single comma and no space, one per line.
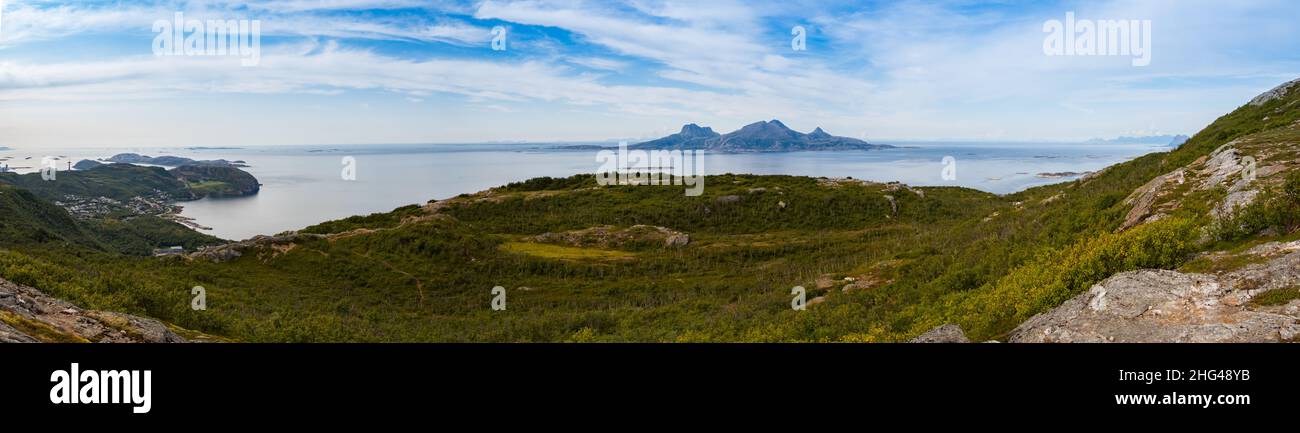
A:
170,161
769,136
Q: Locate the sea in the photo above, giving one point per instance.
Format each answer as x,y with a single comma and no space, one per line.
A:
305,185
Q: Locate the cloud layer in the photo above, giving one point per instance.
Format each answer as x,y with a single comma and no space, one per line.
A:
424,71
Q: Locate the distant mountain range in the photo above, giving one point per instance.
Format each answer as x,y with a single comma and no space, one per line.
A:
770,136
1159,140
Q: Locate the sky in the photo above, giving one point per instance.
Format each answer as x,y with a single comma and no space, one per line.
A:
86,73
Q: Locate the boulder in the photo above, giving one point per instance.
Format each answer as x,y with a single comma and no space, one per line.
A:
949,333
1148,306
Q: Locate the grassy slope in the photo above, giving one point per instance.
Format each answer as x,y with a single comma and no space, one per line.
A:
955,255
25,220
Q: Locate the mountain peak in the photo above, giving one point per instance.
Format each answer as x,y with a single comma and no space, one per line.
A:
761,136
693,130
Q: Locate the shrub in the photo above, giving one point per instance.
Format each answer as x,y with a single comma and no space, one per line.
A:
1055,276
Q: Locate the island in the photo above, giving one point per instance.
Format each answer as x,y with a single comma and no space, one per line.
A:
170,161
768,136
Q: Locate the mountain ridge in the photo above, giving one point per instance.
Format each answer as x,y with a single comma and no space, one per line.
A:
761,136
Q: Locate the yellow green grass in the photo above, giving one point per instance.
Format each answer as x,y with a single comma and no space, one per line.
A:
559,252
38,330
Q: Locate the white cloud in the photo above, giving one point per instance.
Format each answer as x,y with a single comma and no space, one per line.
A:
32,21
905,69
717,45
598,63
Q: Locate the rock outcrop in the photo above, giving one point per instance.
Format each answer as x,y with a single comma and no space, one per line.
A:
1276,93
1169,306
278,244
1243,168
944,334
29,316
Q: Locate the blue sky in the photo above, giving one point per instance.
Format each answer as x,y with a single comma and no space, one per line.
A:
83,73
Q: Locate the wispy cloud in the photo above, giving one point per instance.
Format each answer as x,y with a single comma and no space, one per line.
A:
574,68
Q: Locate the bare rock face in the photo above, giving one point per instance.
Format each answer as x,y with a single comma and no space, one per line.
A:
1243,167
1223,163
29,316
1168,306
1275,93
944,334
1142,200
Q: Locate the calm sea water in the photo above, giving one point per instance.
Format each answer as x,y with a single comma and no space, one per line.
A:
302,185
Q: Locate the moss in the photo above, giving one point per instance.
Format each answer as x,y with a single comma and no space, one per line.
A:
39,330
117,322
1276,297
1221,264
197,336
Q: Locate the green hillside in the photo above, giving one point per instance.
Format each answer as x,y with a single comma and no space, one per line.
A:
26,220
